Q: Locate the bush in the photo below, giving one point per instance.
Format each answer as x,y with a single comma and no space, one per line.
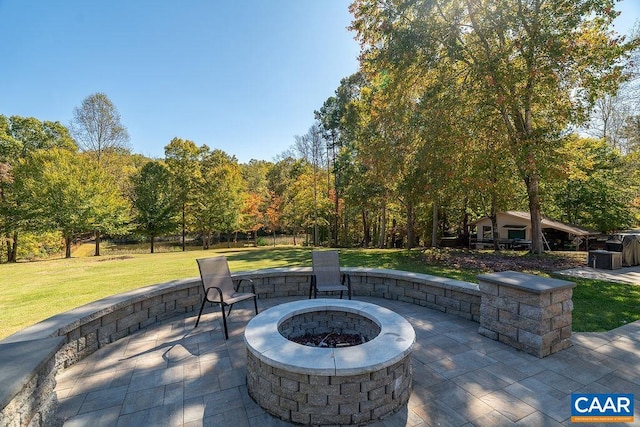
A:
33,246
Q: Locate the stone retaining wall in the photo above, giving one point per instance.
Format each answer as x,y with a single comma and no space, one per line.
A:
92,326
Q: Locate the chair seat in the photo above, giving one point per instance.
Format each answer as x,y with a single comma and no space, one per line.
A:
332,288
238,296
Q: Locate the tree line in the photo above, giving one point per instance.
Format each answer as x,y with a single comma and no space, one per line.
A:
460,110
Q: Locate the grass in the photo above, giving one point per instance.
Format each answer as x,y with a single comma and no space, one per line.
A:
31,292
601,306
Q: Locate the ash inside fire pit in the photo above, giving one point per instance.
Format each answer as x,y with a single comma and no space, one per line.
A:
332,340
329,328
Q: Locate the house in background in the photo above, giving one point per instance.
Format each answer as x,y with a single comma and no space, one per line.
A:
514,230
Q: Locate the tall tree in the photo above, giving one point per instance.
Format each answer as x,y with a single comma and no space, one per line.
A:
219,188
595,175
20,137
182,159
310,147
156,208
96,126
538,64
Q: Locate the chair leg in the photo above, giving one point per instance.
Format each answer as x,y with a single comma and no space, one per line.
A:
200,314
255,303
224,322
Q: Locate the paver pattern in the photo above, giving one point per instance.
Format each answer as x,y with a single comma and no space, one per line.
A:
171,374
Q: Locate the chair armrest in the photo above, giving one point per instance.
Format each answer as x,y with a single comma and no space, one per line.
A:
219,293
345,276
253,288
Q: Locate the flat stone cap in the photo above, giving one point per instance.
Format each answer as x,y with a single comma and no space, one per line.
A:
21,361
526,282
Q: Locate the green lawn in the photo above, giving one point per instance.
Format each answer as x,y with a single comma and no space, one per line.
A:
30,292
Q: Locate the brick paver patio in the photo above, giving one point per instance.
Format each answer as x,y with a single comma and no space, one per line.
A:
174,375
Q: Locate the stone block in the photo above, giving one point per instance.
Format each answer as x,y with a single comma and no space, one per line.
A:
526,297
317,399
562,345
288,404
324,419
561,295
533,341
340,399
132,319
531,312
384,409
552,311
488,333
361,417
117,315
551,338
289,384
561,321
412,293
300,418
350,389
325,390
306,408
448,303
567,306
501,303
89,327
488,288
349,408
376,393
538,327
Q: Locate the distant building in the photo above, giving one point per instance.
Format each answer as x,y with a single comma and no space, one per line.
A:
514,231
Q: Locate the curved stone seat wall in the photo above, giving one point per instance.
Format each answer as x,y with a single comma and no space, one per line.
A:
28,399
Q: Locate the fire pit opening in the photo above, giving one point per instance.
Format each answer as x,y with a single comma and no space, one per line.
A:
297,380
333,329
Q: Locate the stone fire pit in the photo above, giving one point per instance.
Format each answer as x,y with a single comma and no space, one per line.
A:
319,385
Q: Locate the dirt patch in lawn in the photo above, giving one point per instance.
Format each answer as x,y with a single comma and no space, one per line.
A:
490,261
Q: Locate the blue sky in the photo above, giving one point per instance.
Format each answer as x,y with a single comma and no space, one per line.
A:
241,76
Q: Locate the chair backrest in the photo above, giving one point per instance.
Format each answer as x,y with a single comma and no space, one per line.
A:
214,272
326,267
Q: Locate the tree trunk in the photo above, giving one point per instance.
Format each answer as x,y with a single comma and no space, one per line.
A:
410,229
495,233
184,247
14,248
383,227
336,219
465,224
434,225
366,238
153,238
67,246
97,251
536,216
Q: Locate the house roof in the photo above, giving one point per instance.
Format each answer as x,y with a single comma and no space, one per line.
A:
546,223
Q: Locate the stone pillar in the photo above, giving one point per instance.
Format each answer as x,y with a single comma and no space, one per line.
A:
527,312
